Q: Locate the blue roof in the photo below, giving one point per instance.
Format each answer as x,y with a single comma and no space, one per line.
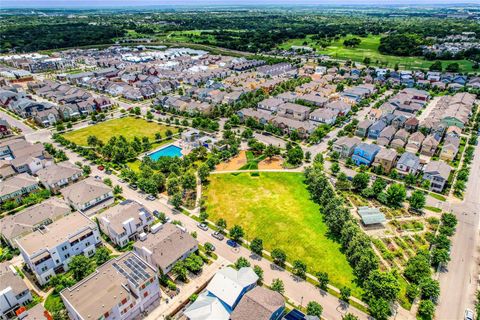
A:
370,148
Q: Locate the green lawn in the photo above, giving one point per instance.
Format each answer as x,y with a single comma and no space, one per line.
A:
129,127
369,48
276,207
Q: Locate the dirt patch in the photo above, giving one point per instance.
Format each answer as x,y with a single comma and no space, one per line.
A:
274,163
234,163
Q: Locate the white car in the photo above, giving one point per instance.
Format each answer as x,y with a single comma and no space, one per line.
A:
468,314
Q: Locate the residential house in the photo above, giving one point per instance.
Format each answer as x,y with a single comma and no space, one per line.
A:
408,163
400,139
429,145
415,142
48,250
260,116
38,312
341,106
238,282
57,176
365,153
261,304
270,104
375,115
327,116
16,187
437,172
165,246
88,195
123,288
14,293
288,125
363,127
293,111
451,144
314,99
385,158
411,125
5,129
386,135
376,128
345,146
28,220
399,121
125,221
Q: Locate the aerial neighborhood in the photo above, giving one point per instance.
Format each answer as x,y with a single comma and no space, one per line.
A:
175,165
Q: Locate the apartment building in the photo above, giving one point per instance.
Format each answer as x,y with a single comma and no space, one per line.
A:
87,194
123,288
48,250
16,187
125,221
58,176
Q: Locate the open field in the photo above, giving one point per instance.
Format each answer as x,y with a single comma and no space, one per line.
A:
276,208
128,127
369,48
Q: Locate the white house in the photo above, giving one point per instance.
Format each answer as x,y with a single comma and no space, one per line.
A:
14,292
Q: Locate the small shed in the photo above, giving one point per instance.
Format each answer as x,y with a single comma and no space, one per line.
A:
371,216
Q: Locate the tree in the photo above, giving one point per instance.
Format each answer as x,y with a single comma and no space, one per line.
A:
349,316
299,268
279,256
412,291
177,200
426,310
180,271
440,256
241,263
203,172
314,309
383,285
453,67
236,233
189,182
108,181
395,195
208,247
335,168
340,87
430,289
277,285
271,151
80,266
257,246
409,179
149,115
360,181
417,200
323,280
295,155
418,268
101,256
259,272
380,309
345,294
203,216
117,189
436,66
86,170
221,224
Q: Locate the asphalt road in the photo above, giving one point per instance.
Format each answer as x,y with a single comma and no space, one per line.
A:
459,284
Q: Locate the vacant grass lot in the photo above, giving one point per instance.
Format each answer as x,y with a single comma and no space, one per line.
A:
276,207
369,48
128,127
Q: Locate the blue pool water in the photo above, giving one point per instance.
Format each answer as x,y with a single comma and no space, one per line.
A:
170,151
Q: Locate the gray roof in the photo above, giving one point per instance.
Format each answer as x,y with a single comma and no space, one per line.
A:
259,304
9,279
409,159
371,215
55,173
16,183
85,190
438,168
167,245
125,210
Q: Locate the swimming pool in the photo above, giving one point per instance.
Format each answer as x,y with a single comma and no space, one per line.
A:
169,151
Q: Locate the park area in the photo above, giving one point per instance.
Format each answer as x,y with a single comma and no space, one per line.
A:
276,207
368,47
128,127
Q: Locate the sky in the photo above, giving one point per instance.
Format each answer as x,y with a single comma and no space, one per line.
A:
140,3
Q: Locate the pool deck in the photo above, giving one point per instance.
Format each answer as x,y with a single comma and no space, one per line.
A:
186,148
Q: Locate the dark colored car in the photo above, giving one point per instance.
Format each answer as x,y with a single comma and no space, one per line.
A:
232,243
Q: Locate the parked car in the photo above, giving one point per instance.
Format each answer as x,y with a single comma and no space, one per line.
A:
217,235
468,314
121,180
232,243
108,171
203,226
133,186
151,197
156,213
98,178
100,168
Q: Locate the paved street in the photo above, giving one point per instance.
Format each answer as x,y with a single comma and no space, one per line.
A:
459,284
